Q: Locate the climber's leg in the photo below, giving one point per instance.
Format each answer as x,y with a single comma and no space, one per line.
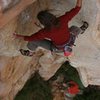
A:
74,30
43,43
33,45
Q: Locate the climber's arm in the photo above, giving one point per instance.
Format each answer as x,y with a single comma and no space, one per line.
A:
70,14
40,35
79,3
75,10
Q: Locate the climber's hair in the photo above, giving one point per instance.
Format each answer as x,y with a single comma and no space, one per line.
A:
47,19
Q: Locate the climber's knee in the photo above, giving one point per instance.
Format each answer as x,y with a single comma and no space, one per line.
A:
74,30
42,43
32,46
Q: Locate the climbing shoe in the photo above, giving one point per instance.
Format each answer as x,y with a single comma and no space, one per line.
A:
26,52
84,26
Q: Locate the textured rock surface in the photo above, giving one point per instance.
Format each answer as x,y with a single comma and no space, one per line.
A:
50,64
14,72
8,3
9,46
87,52
16,69
9,9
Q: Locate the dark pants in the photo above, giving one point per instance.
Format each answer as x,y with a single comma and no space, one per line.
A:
41,43
74,30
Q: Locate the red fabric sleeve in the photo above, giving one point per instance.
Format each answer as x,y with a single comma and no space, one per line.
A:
40,35
69,15
73,12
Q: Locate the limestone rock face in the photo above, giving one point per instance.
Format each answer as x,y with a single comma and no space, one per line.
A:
16,69
86,56
23,24
50,64
5,4
7,41
14,72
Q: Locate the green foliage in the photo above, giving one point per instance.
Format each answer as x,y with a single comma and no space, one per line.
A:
70,73
35,89
38,89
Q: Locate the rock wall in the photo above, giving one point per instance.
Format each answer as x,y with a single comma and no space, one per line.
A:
87,52
5,4
15,69
14,72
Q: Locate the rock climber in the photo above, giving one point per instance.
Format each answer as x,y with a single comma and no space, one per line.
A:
71,89
61,38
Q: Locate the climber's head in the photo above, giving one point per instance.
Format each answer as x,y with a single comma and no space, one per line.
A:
48,19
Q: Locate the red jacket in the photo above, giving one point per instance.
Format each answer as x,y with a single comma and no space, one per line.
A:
73,89
58,36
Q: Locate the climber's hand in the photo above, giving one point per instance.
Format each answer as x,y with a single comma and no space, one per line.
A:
18,36
79,3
